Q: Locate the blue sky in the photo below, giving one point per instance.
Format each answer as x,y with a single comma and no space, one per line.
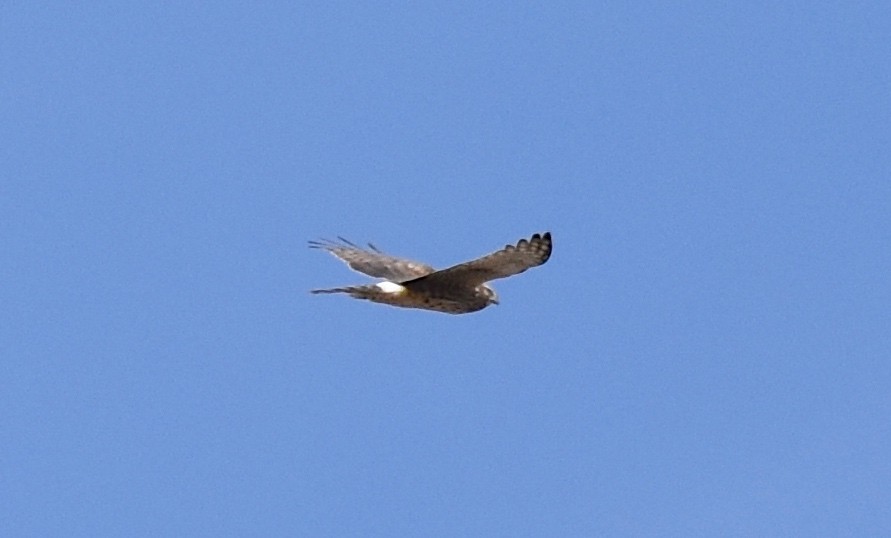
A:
706,353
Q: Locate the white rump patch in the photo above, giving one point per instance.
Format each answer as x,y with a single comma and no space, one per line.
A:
390,287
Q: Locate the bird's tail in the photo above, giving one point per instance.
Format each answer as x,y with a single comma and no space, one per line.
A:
334,290
371,293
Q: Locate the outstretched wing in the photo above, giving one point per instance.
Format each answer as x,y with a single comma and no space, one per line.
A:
509,261
372,261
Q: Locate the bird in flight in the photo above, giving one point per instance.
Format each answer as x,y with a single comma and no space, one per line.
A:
460,289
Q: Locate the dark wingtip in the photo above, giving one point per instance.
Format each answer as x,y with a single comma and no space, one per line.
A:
348,242
329,244
323,242
341,243
546,238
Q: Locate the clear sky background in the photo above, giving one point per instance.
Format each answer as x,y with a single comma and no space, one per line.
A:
706,353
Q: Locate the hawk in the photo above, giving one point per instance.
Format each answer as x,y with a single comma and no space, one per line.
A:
460,289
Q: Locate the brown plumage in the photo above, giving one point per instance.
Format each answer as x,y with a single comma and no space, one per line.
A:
456,290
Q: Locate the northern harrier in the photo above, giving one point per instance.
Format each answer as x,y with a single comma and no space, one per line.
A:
457,290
